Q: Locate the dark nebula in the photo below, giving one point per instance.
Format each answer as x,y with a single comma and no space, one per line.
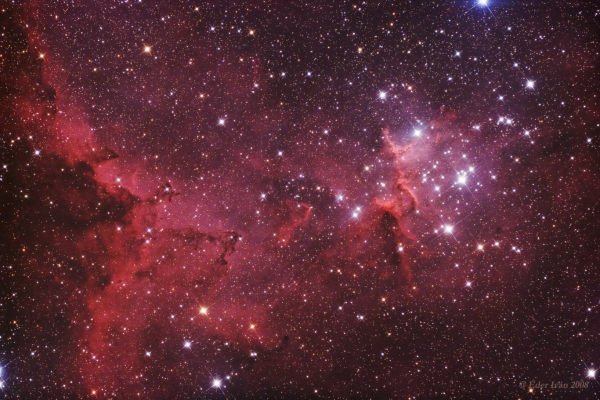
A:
299,199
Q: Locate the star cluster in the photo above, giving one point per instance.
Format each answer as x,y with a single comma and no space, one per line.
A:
299,199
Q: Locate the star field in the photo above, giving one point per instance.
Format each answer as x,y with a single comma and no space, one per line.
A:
299,199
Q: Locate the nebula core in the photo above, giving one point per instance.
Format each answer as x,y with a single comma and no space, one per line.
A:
299,199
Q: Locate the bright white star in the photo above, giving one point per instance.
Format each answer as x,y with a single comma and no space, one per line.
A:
591,373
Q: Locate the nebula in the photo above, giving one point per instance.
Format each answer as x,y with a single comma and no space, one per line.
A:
316,200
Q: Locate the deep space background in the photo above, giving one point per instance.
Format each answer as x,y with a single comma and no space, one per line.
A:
299,199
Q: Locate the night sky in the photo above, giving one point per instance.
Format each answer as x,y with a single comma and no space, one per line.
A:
299,199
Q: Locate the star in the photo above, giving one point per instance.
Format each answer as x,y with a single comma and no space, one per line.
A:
203,310
591,373
530,84
382,95
448,229
187,345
